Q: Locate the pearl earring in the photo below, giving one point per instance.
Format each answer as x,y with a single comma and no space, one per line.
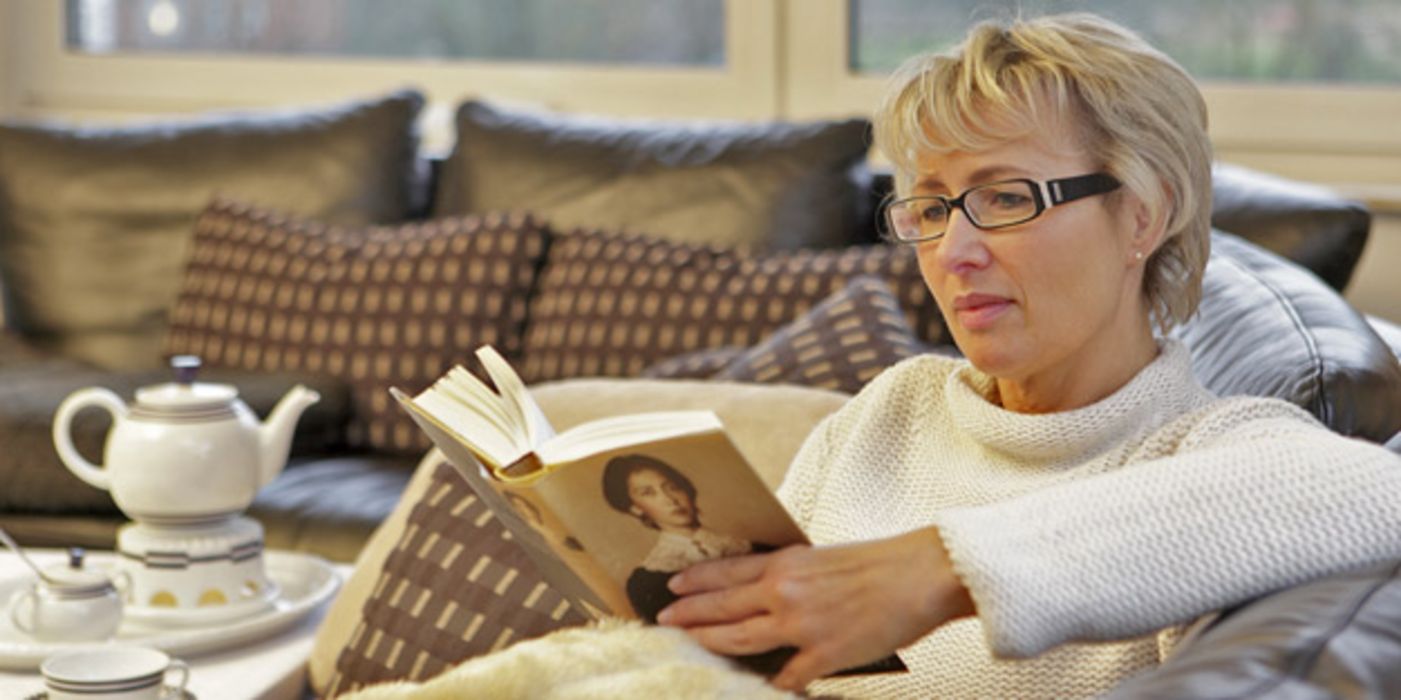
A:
1138,255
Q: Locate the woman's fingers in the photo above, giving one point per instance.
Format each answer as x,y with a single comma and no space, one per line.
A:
720,574
714,607
750,636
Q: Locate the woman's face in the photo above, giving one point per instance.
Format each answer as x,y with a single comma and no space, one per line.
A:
1044,300
661,499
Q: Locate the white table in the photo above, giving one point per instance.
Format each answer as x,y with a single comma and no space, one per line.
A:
273,668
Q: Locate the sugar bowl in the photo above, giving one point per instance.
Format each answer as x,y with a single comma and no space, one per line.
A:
69,603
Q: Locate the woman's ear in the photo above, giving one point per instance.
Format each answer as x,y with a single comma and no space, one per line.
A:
1149,224
636,512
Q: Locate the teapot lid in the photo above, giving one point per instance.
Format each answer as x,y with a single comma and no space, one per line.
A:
185,393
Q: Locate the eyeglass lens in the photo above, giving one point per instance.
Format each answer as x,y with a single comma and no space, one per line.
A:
991,205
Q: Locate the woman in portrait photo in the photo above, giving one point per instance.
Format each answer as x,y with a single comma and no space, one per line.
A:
663,499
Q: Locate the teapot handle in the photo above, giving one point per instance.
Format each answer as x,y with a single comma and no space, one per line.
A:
63,438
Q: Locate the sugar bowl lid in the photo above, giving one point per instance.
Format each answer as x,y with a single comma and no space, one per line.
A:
73,579
185,394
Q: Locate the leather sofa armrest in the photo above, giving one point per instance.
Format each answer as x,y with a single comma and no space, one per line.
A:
1334,637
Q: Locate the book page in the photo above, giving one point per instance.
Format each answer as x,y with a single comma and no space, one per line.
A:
611,433
674,502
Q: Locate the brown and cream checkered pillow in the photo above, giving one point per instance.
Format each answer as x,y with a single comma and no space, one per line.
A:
701,364
840,344
614,304
455,586
376,307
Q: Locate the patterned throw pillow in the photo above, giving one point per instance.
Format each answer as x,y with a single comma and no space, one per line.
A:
840,344
701,364
614,304
454,587
375,307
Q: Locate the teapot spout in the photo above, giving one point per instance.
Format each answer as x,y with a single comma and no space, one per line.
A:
275,435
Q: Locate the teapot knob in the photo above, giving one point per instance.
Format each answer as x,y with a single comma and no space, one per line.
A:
186,367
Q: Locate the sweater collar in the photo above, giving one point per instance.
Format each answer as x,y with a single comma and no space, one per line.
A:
1160,392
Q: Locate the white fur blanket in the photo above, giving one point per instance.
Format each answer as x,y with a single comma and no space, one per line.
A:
611,659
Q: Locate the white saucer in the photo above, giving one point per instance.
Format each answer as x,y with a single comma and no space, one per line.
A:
304,582
168,693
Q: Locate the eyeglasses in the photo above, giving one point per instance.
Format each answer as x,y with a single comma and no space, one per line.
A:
989,207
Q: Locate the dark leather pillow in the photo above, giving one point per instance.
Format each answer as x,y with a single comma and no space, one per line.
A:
95,223
758,186
1267,327
1304,223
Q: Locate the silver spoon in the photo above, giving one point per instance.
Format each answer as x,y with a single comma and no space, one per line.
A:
10,542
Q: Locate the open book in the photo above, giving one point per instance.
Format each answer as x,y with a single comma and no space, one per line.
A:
610,509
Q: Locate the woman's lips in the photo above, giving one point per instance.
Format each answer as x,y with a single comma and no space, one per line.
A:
979,311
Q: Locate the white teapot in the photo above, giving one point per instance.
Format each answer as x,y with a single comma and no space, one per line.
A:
186,452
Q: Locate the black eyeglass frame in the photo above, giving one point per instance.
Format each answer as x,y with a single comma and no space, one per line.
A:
1045,195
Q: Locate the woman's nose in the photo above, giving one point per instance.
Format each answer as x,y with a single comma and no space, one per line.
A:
962,246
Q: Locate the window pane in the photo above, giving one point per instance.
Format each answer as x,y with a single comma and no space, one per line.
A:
1328,41
676,32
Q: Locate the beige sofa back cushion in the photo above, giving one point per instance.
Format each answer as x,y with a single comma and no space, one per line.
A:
767,422
762,186
95,223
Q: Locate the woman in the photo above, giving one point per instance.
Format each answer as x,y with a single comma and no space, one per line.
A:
663,499
1070,481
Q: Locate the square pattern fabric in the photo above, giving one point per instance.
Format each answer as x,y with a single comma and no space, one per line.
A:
612,304
455,586
376,307
840,344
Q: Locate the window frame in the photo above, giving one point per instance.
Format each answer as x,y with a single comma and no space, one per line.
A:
1344,136
59,82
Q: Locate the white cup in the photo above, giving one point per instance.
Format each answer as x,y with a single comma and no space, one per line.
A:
113,673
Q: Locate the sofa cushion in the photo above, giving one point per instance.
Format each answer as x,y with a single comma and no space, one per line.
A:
612,304
1331,638
1304,223
764,186
1267,327
376,307
456,585
767,423
840,344
701,364
95,223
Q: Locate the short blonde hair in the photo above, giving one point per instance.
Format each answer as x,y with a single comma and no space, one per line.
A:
1139,116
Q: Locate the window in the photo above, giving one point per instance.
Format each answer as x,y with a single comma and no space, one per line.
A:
655,32
1250,41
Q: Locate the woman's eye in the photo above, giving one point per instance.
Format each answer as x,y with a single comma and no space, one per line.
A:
934,212
1010,200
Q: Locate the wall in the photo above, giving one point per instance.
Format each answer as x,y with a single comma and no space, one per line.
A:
7,61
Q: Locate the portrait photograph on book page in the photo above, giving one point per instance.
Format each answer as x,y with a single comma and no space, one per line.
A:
647,511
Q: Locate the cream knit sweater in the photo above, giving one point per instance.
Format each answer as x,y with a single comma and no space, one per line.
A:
1115,521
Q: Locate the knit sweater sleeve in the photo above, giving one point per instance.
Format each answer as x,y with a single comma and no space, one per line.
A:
1256,497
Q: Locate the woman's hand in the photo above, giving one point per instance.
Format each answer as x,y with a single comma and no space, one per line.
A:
841,606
